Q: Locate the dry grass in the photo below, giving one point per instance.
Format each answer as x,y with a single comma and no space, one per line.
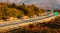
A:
48,27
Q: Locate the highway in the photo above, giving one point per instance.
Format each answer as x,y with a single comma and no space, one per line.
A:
28,20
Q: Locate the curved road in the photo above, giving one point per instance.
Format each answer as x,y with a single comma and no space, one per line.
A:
28,20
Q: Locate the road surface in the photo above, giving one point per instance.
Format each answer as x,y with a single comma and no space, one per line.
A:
28,20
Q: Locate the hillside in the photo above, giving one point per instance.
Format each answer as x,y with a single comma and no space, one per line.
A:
52,26
17,11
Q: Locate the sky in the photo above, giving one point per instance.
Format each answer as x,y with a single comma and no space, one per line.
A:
46,4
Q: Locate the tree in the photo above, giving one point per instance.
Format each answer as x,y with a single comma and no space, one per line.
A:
13,5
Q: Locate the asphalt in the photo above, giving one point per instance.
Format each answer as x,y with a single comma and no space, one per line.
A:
28,20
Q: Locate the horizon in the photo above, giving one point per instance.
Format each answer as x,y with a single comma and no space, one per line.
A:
45,4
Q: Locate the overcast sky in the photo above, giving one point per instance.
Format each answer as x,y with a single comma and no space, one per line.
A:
51,4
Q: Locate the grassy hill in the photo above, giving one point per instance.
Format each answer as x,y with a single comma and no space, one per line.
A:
14,10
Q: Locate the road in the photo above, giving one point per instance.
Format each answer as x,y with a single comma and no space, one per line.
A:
28,20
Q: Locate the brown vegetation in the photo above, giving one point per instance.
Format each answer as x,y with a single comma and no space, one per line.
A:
49,27
14,10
